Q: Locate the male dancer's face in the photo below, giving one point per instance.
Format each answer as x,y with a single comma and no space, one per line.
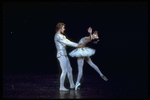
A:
62,29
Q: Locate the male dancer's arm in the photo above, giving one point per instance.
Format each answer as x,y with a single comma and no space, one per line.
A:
68,42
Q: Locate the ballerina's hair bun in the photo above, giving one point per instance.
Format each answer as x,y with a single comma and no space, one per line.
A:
95,40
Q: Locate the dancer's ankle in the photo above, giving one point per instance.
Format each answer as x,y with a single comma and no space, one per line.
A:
77,83
72,86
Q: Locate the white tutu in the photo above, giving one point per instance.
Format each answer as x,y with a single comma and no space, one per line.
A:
82,52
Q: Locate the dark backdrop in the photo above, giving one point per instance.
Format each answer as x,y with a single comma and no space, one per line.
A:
29,29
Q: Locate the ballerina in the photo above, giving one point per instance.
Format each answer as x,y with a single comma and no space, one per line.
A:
84,54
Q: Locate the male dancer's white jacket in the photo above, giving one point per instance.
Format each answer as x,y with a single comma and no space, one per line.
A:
61,41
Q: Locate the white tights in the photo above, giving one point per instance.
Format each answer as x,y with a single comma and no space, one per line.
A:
66,69
80,62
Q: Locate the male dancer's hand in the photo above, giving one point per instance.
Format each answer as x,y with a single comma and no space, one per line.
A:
80,45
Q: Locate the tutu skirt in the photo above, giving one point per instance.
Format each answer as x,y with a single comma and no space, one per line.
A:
82,52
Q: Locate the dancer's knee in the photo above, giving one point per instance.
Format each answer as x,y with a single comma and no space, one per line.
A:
80,69
69,69
64,70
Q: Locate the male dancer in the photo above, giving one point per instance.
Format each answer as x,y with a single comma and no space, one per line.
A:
61,41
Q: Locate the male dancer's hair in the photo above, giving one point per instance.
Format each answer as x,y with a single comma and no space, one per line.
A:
59,26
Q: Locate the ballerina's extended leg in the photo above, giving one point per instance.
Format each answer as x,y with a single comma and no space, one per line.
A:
89,61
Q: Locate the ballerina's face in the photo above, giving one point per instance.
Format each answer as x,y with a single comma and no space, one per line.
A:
95,36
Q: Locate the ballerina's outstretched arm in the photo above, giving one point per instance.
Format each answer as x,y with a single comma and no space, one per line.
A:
90,31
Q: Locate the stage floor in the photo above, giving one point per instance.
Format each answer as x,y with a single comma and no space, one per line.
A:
46,86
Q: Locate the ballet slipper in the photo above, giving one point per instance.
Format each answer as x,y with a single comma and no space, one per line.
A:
77,84
63,89
104,78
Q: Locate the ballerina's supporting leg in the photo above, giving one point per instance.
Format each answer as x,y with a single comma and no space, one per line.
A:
89,61
80,62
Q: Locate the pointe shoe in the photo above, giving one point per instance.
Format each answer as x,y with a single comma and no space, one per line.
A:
104,78
76,87
63,89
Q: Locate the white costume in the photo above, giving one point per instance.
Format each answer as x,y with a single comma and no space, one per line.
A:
84,53
61,41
